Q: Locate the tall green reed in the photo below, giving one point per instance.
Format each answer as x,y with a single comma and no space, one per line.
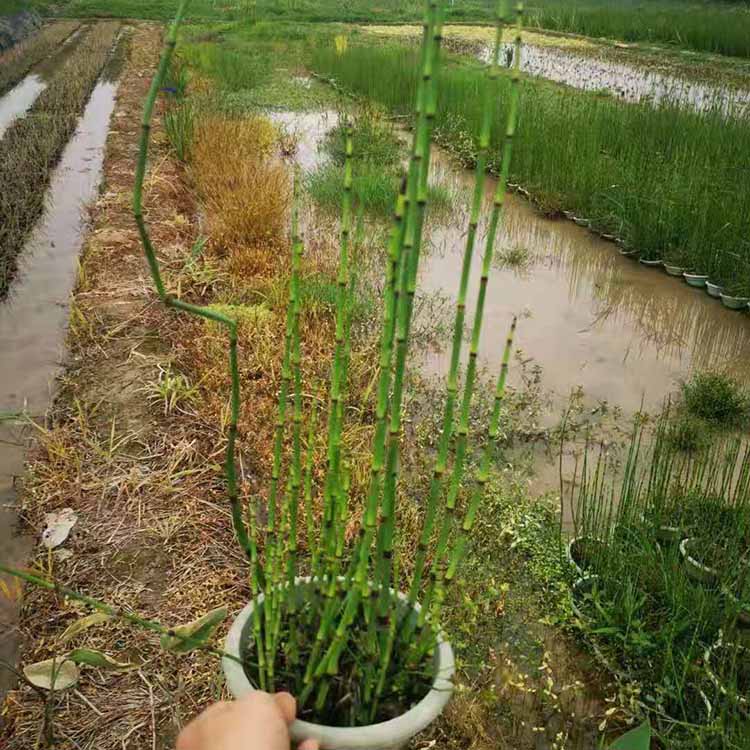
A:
665,179
650,619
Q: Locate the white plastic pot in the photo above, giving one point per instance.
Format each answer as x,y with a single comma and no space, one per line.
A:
698,280
734,303
696,569
386,735
712,654
651,263
714,290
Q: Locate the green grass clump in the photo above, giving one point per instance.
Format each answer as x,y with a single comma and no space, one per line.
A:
373,141
716,397
649,615
378,171
662,178
689,433
374,188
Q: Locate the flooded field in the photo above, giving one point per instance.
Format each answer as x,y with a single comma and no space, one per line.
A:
589,316
33,319
585,65
16,102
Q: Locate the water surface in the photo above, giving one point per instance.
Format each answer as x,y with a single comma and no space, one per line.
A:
33,320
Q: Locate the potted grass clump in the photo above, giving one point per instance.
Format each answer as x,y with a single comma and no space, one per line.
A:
736,296
334,616
676,262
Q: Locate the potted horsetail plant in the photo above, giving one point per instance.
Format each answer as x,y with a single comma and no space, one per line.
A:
369,664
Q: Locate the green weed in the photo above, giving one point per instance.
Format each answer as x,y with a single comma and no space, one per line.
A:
716,397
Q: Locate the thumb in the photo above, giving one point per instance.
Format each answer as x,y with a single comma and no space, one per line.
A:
287,705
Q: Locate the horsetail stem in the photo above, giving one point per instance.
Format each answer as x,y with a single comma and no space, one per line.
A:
417,196
409,207
455,556
312,542
441,461
495,216
238,521
107,609
332,485
296,479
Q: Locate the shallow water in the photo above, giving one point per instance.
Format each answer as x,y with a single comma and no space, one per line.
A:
33,319
631,83
589,316
19,99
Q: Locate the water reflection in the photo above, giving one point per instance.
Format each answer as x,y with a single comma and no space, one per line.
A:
628,82
595,318
18,100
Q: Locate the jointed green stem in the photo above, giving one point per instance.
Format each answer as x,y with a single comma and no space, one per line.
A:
448,520
441,462
204,312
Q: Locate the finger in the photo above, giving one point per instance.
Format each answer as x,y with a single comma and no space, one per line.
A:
190,735
287,705
309,745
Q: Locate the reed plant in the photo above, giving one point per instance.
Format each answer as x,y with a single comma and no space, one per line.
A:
330,626
651,618
31,146
662,178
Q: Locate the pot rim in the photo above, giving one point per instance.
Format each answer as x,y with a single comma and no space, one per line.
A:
392,732
711,672
692,561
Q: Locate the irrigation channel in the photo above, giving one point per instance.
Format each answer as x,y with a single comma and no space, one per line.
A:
591,67
18,101
590,317
33,319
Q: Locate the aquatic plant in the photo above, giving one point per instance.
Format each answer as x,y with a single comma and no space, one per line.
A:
351,650
673,189
640,594
715,396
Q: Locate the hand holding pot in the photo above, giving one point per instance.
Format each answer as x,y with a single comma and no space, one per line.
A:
258,721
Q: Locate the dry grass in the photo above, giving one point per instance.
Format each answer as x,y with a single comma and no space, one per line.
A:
245,188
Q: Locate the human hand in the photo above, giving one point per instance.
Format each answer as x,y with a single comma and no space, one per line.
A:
258,721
